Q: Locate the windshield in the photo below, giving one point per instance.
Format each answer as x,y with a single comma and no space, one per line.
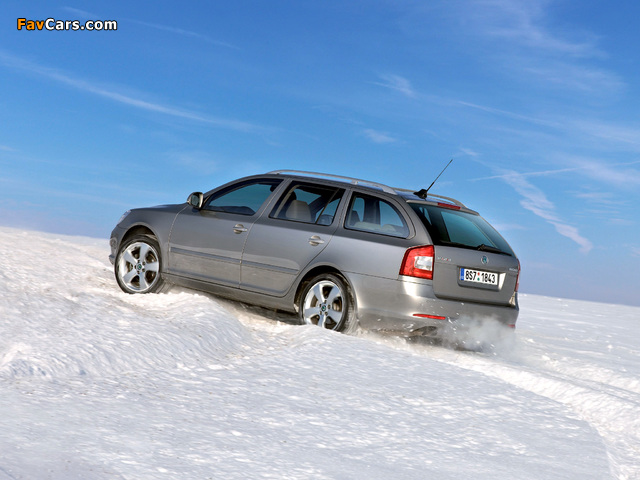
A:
456,228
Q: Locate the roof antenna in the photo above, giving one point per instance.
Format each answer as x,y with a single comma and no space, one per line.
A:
422,193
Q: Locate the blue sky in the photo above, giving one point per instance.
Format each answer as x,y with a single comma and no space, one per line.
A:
536,102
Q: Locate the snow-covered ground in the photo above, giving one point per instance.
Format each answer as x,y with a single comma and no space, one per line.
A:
97,384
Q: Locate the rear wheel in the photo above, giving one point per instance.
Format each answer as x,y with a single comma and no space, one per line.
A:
138,265
327,302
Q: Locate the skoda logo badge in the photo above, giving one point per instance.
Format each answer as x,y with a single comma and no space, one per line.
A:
485,260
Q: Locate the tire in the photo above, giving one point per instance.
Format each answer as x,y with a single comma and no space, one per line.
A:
138,265
327,302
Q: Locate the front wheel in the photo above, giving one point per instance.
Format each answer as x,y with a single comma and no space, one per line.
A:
137,265
327,302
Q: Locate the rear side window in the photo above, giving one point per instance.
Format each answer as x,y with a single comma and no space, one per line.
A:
308,203
243,199
461,229
372,214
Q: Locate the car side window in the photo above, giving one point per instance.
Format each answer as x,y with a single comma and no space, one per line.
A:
372,214
243,199
308,203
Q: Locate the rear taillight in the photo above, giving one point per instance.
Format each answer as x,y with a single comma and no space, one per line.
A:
513,301
418,262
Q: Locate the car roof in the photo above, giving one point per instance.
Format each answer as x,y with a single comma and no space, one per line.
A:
407,195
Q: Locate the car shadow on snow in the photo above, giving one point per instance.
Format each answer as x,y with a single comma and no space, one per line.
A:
243,311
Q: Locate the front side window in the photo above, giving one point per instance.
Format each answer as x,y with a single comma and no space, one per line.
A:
308,203
243,199
372,214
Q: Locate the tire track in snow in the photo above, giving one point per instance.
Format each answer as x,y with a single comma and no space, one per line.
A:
611,410
607,400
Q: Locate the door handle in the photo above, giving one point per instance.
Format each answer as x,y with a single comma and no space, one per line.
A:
315,240
239,228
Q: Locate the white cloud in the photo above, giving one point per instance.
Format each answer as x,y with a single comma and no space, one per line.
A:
522,22
572,232
536,202
621,222
529,174
619,136
618,175
81,13
589,80
599,197
378,137
510,115
603,199
397,83
185,33
126,99
504,227
527,43
469,152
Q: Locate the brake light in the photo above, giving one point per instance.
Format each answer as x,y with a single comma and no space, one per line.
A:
418,262
448,205
518,277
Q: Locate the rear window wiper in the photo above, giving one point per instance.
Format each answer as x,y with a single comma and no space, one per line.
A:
482,247
487,248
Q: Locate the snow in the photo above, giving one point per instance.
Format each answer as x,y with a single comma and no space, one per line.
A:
97,384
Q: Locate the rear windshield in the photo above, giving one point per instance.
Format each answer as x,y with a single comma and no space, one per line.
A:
456,228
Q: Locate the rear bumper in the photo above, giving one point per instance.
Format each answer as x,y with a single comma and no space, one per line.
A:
393,306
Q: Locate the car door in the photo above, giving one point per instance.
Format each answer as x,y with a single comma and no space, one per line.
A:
206,244
285,240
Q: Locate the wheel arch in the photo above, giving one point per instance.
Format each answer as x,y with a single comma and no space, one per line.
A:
138,230
314,272
142,229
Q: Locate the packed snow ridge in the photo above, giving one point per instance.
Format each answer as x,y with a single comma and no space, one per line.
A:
98,384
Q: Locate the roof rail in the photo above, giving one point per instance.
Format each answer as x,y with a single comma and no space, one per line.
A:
353,181
357,181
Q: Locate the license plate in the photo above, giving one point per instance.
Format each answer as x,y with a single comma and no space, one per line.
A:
478,276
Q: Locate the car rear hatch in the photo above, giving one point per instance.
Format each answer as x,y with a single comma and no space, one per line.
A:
471,275
472,262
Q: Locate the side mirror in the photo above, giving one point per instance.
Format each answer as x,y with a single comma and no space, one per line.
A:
195,200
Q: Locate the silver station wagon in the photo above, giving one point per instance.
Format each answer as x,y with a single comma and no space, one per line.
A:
338,251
